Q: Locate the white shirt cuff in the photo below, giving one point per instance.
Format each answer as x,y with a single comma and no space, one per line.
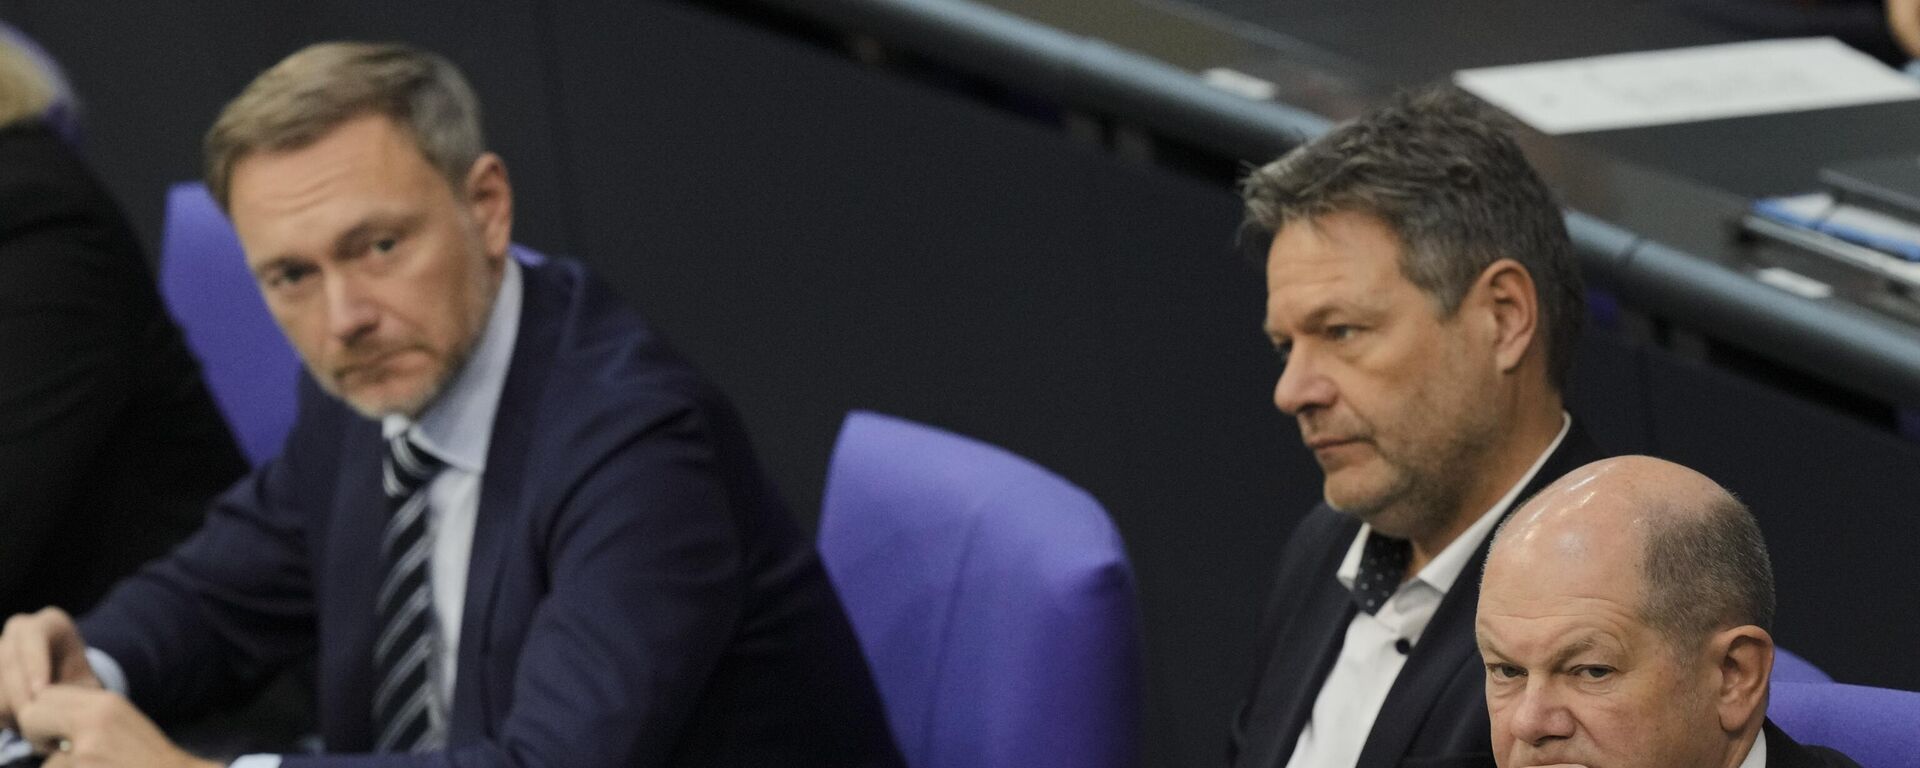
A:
111,676
256,761
13,748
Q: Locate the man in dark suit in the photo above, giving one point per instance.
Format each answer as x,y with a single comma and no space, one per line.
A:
1423,293
515,527
110,445
1624,622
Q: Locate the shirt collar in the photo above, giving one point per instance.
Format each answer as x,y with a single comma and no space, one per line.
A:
458,427
1757,754
1445,568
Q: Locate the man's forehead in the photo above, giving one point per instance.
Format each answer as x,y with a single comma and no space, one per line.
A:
1547,640
1545,564
1356,255
362,163
1340,237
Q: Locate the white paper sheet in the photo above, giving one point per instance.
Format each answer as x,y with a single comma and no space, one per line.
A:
1688,84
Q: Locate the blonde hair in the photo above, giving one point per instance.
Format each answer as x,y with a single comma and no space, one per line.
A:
29,87
297,101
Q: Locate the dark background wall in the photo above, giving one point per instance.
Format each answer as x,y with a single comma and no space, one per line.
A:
823,236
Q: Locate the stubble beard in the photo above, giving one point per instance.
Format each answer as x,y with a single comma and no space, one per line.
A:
416,405
1426,486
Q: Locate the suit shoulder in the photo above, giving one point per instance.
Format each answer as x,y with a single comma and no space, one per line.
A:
1784,752
602,363
1323,527
1311,552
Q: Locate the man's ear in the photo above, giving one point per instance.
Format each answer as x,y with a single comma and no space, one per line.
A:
1744,657
489,198
1506,290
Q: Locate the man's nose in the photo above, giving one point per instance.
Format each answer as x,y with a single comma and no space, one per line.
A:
1540,716
1302,384
351,312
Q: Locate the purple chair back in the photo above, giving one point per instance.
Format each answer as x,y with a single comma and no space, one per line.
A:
1789,667
245,360
993,600
1877,727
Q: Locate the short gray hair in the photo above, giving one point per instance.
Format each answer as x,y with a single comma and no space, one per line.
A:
297,101
1705,570
1443,172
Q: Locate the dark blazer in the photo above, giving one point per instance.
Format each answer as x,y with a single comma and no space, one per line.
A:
638,594
110,445
1436,712
1784,752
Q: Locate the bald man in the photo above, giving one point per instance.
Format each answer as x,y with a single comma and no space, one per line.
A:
1624,619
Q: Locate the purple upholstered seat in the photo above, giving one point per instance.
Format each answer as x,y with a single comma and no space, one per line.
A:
992,598
245,360
1789,667
1877,727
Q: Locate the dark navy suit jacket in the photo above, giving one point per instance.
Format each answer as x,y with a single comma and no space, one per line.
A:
1435,714
1784,752
637,594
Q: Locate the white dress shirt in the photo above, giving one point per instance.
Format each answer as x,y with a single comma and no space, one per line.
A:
1757,754
1370,657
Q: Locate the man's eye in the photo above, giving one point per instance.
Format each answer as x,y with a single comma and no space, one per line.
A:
1594,673
1340,332
1505,671
385,244
287,277
1284,350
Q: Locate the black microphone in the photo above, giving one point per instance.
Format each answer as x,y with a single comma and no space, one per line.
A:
1403,646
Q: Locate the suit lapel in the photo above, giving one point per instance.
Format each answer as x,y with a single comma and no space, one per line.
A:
501,490
1328,615
1304,651
1447,644
1784,752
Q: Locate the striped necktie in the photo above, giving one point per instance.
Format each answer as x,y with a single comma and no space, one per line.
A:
407,709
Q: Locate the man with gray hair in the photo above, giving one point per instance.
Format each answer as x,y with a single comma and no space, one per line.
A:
1625,621
514,526
1422,293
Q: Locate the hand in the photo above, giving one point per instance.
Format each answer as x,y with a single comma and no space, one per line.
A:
38,650
91,728
1903,19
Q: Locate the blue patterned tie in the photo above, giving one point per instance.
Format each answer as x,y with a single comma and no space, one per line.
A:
407,708
1383,561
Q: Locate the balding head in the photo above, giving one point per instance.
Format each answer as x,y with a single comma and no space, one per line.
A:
1623,619
1694,549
